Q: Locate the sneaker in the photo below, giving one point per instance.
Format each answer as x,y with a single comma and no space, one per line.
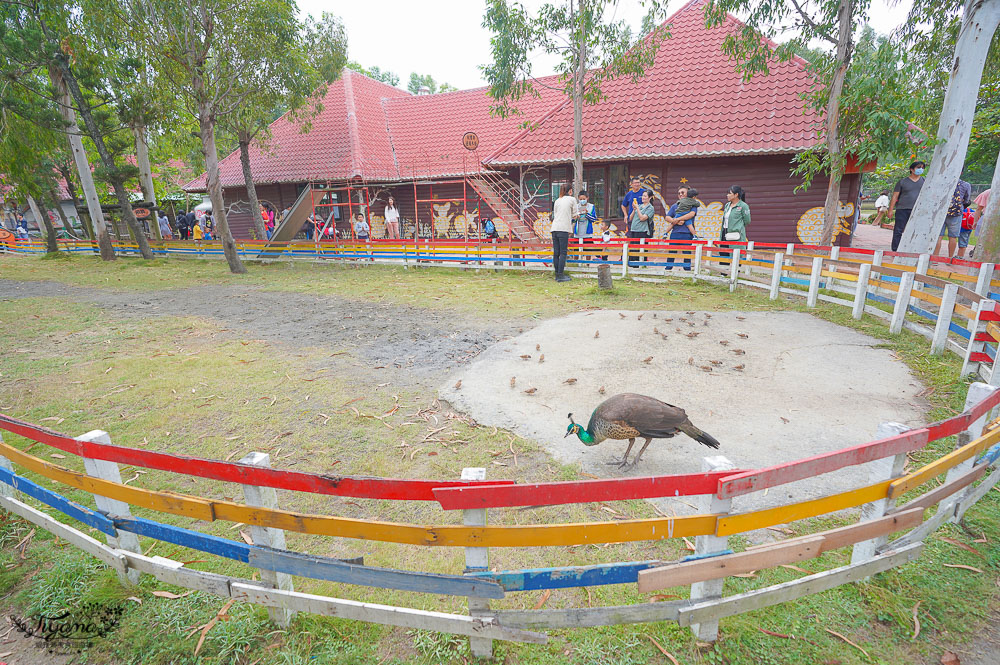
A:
563,278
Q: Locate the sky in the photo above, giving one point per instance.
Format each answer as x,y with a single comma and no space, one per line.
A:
445,38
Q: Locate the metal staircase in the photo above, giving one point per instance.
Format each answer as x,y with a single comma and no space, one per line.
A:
501,194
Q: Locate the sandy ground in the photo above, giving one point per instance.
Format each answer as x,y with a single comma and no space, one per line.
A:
806,386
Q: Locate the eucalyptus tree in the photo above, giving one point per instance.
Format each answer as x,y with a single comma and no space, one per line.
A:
593,48
977,22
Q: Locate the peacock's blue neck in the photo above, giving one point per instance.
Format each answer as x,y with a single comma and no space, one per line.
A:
587,438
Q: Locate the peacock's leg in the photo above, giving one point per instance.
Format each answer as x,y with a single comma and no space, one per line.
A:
624,462
636,460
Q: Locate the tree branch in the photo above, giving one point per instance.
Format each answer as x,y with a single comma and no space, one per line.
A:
812,24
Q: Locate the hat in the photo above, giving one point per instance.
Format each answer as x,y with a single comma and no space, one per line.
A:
916,164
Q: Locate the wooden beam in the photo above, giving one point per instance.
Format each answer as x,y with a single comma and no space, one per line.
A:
568,576
942,464
586,617
943,491
774,595
60,503
387,615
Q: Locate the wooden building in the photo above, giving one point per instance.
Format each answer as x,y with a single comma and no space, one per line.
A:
691,120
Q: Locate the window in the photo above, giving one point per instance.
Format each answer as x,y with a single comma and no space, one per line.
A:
594,183
560,178
617,186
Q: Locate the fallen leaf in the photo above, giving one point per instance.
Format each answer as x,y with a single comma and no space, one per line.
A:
958,565
208,626
55,418
543,599
662,650
135,600
57,456
968,548
752,574
246,537
792,567
833,632
167,594
688,544
664,596
916,622
948,658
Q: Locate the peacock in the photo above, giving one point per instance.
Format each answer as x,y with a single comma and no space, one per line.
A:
628,415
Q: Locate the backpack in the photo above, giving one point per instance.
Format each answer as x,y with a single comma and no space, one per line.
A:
957,202
968,220
490,228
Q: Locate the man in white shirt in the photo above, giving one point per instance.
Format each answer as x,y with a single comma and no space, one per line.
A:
563,212
882,208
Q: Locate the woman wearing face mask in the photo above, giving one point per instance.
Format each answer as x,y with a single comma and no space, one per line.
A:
904,197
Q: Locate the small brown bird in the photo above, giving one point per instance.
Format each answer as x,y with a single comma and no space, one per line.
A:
738,352
668,320
706,368
526,356
742,335
656,330
690,312
682,318
654,315
690,360
739,368
513,380
530,391
715,362
692,335
648,360
601,390
677,329
569,382
597,334
538,347
724,342
663,336
741,318
707,315
621,315
458,385
541,358
639,318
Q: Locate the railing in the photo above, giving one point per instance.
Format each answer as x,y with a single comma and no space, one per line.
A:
905,295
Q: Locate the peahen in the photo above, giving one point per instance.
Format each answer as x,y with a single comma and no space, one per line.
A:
628,415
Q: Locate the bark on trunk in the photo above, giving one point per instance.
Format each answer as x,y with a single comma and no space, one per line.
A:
258,221
43,220
979,22
988,239
831,208
145,174
82,162
578,79
207,134
106,159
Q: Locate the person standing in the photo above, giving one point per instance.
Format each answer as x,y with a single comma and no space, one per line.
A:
881,208
562,225
392,219
641,219
182,225
904,197
585,222
981,202
682,225
634,194
960,199
165,230
735,215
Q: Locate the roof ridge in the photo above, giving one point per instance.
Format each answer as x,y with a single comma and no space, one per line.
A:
352,125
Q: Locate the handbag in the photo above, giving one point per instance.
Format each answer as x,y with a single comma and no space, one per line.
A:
733,235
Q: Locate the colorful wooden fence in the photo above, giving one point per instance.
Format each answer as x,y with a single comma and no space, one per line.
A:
964,321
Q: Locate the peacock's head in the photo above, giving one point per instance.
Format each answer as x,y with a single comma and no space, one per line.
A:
573,427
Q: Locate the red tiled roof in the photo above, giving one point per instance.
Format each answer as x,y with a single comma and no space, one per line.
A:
691,103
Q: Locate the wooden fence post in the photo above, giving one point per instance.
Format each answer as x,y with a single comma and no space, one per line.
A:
945,311
105,470
477,559
834,256
698,253
984,278
902,303
625,251
734,269
861,292
749,257
789,249
817,271
710,504
923,263
5,489
266,497
776,270
977,393
879,471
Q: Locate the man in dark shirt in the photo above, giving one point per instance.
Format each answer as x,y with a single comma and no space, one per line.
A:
634,194
904,197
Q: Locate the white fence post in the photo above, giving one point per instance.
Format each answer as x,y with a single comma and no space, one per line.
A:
834,256
105,470
698,252
923,263
902,303
266,497
789,249
779,264
817,271
477,559
710,504
625,249
984,278
945,312
861,293
734,269
5,489
879,471
977,393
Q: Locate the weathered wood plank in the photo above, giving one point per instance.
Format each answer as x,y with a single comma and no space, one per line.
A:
861,531
586,617
759,519
583,491
388,615
689,572
372,488
971,497
568,576
932,497
774,595
942,464
59,502
779,474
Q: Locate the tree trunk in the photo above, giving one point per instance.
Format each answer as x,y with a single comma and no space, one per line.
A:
81,213
258,221
206,127
146,174
82,162
42,219
831,209
979,21
988,239
53,197
578,79
106,159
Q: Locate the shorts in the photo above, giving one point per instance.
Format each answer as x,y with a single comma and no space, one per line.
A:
953,226
963,237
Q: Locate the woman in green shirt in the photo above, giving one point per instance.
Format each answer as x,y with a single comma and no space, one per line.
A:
735,215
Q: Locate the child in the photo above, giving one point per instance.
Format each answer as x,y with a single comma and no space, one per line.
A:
361,228
604,228
686,204
196,233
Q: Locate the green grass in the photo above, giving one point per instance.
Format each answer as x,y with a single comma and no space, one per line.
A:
176,384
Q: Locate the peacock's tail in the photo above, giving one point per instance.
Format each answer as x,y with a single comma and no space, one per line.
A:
698,435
